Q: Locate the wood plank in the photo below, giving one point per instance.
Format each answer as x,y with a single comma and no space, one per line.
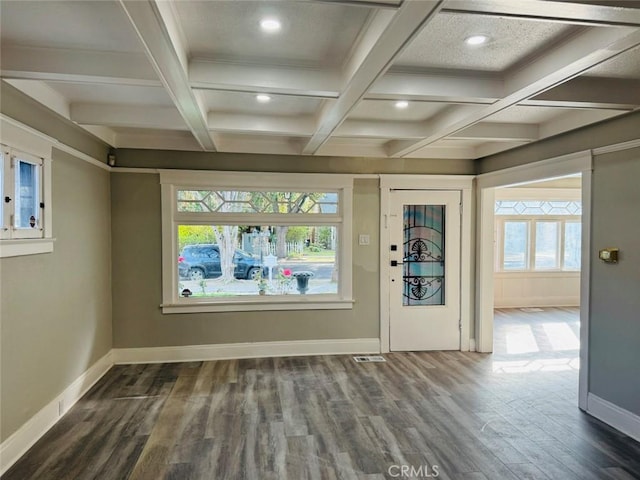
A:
329,418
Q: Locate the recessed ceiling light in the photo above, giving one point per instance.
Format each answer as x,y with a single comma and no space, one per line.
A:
270,25
262,98
476,40
402,104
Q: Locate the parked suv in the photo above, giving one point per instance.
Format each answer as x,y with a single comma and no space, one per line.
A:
197,262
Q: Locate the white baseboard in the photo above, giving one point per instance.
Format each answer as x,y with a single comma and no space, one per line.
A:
472,345
20,441
191,353
619,418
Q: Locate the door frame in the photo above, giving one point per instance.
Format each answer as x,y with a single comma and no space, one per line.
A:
579,162
461,183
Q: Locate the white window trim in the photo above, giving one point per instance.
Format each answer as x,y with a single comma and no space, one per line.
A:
531,242
15,242
172,180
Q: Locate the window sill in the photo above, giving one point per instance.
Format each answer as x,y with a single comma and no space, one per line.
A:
538,273
32,246
259,304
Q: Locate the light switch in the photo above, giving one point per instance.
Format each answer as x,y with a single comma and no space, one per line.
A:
363,239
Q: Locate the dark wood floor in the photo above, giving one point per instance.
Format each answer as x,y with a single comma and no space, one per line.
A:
463,415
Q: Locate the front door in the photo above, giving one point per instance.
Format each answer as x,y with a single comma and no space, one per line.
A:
424,288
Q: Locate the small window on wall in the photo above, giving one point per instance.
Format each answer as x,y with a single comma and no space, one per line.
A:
538,235
263,244
23,211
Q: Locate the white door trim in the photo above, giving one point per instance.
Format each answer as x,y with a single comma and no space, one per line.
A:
579,162
462,183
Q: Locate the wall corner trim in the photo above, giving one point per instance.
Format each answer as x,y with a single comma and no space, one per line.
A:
617,147
21,440
193,353
615,416
53,142
542,169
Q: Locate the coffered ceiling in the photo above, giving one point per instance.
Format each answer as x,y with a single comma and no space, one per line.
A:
187,74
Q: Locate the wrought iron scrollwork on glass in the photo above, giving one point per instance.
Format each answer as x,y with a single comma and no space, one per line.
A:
424,259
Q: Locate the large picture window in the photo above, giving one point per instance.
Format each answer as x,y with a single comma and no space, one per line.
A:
538,235
240,241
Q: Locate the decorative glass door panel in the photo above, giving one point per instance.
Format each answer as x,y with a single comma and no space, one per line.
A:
424,255
424,270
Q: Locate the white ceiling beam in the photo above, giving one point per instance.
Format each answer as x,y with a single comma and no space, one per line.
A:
491,148
261,124
167,141
304,127
330,149
374,28
379,129
105,134
488,131
451,86
468,88
580,13
574,119
44,94
167,58
247,144
82,66
166,118
568,59
449,151
78,66
373,62
211,75
362,3
592,92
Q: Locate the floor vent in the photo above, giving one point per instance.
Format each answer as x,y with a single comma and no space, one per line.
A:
531,309
369,358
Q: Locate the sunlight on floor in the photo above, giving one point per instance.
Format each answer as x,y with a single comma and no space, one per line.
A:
561,336
520,339
536,365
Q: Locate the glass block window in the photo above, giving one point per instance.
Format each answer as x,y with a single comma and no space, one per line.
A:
240,201
538,207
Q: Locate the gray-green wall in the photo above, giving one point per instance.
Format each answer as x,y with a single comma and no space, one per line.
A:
137,266
617,130
137,283
614,349
614,334
55,313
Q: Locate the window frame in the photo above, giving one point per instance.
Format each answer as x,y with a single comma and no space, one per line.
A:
173,180
532,221
16,241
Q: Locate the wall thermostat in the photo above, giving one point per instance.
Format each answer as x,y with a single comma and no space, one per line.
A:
609,255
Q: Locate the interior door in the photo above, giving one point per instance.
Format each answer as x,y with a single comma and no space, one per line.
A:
424,243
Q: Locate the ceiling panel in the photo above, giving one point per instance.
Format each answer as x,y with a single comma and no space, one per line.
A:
105,93
318,34
370,142
77,70
522,114
442,45
240,102
625,65
386,110
99,25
